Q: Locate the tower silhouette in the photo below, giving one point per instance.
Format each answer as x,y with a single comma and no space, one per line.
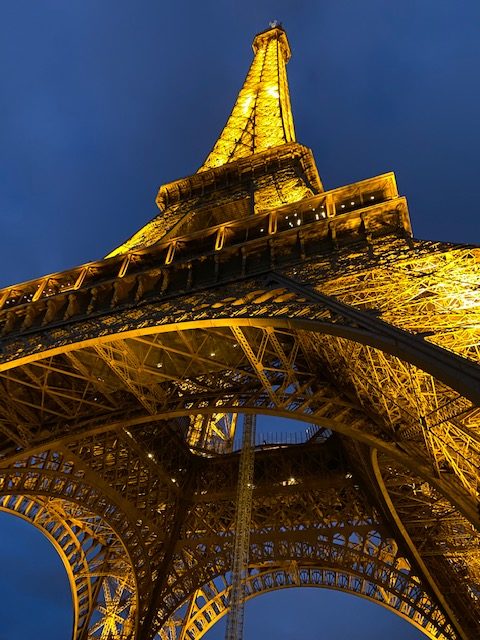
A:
254,291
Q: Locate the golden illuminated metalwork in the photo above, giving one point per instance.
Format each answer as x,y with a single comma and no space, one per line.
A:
254,291
261,117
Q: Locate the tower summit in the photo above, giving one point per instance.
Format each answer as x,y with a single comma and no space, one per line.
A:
259,133
254,291
262,115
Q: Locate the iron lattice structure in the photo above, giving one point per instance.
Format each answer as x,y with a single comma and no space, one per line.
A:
243,519
254,291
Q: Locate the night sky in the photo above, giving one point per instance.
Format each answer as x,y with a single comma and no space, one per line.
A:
104,100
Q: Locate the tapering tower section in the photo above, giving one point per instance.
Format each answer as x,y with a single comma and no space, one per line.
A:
254,166
262,115
254,291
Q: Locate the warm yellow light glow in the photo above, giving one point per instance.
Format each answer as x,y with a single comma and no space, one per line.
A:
273,92
246,104
261,117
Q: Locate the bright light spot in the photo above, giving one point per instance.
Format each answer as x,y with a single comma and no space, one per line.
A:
352,203
212,354
150,455
273,91
159,365
246,104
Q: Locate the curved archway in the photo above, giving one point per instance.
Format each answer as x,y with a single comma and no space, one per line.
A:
453,370
447,416
34,586
210,603
278,394
101,578
305,612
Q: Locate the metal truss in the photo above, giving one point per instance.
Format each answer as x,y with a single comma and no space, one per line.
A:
328,540
262,369
243,523
210,603
253,292
429,524
102,580
270,370
264,94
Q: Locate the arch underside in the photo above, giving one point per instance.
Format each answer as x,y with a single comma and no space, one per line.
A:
101,577
138,398
102,580
211,602
329,380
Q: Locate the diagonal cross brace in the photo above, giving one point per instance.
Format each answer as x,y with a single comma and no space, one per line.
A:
454,370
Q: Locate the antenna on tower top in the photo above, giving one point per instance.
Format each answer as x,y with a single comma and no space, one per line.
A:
274,23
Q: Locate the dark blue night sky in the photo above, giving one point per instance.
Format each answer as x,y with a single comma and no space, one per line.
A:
103,100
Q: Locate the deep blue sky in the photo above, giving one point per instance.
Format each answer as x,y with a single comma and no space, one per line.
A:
103,100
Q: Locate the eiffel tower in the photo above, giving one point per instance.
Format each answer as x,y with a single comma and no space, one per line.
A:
255,291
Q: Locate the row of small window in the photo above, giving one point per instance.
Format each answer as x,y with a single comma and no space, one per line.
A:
358,201
228,236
